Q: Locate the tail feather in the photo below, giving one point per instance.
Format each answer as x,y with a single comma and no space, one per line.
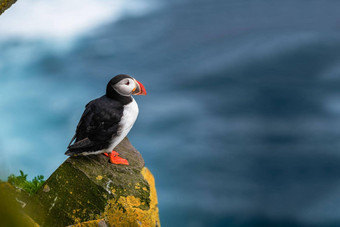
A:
70,153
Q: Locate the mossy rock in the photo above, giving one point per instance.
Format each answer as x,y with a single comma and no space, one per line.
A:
92,191
5,4
11,202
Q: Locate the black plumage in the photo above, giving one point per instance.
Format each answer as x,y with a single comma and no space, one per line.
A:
99,123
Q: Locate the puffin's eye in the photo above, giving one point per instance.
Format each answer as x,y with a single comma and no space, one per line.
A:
127,83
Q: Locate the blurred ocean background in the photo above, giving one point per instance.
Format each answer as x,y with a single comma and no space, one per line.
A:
241,124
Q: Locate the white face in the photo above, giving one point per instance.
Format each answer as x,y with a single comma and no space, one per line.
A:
125,87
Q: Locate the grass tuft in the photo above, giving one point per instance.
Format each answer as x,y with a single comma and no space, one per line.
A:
21,182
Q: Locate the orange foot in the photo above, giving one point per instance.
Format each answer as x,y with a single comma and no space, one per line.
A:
115,159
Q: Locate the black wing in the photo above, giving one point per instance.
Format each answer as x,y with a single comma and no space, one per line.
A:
97,126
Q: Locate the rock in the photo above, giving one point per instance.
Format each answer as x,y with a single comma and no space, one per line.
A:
5,4
90,191
12,201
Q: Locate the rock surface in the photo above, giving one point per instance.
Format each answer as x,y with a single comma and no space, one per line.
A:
5,4
90,191
11,202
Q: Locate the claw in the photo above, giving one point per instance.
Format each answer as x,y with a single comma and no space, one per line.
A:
115,159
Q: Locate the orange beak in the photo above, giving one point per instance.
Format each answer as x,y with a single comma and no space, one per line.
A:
140,90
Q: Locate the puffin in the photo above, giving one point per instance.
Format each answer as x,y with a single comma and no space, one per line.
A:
107,120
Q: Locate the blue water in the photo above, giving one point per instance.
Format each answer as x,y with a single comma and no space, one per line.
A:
241,124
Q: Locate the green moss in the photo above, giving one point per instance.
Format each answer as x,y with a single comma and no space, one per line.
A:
21,182
67,197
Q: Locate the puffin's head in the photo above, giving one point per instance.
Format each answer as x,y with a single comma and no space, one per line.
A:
125,85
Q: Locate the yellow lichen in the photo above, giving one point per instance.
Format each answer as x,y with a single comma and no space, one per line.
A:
127,212
77,220
46,188
153,195
133,201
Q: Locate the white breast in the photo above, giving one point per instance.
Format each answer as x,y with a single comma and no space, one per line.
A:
129,117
